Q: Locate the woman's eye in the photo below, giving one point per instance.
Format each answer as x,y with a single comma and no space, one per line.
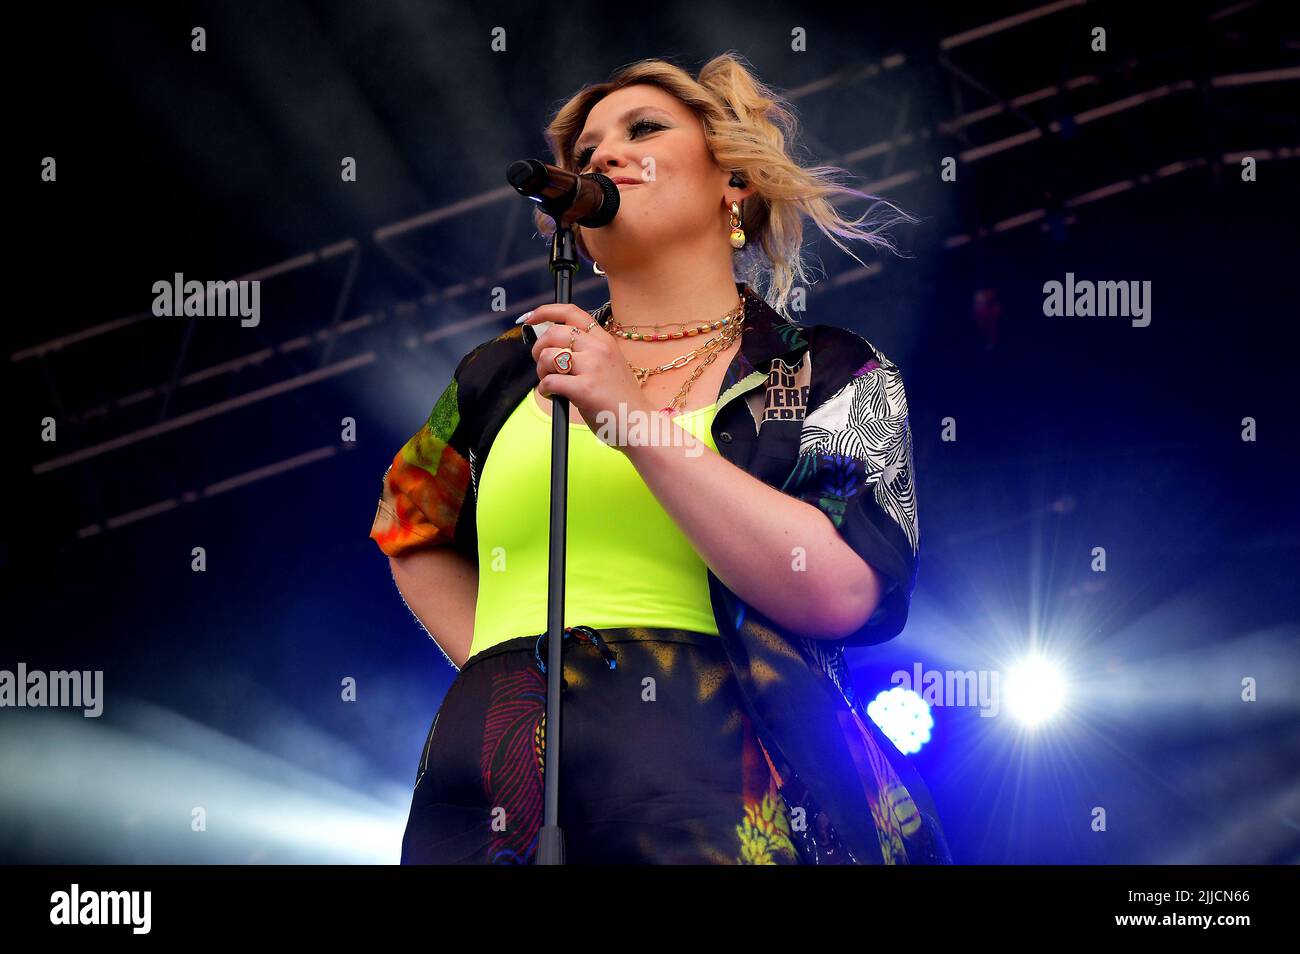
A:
647,125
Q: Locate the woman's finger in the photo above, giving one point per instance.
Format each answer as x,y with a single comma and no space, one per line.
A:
556,385
568,314
546,363
556,336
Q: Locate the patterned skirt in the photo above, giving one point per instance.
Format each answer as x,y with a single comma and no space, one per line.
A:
659,763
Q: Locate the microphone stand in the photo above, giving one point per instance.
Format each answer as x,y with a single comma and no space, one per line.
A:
560,195
550,839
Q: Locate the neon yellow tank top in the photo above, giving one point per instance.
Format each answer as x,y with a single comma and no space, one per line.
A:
626,564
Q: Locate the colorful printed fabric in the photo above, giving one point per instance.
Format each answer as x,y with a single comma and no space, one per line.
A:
424,487
820,414
659,763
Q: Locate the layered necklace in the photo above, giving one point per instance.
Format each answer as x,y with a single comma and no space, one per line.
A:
731,325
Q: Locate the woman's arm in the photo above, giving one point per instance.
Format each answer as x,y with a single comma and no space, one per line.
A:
440,586
747,532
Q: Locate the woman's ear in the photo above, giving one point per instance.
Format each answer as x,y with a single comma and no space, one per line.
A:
737,181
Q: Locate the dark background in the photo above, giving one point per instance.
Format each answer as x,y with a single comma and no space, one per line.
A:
222,688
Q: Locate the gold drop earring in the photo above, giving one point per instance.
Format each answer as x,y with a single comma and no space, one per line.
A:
737,233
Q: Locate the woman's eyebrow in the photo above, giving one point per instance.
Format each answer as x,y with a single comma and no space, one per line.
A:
583,139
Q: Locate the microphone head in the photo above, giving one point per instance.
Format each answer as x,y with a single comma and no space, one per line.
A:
563,194
527,176
608,208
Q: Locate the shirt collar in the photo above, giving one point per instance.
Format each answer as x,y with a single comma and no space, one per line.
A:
767,334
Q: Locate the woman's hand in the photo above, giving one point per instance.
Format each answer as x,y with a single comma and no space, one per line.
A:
599,380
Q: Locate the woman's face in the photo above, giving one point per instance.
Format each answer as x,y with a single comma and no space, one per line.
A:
646,134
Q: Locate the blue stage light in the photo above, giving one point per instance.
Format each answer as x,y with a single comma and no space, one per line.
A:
904,717
1035,690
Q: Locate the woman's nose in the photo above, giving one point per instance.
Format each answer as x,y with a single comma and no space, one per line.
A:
604,159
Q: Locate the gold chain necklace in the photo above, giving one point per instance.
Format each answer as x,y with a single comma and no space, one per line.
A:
677,362
681,395
732,326
714,347
617,328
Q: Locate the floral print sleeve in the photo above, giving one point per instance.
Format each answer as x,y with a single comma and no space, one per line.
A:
424,499
855,464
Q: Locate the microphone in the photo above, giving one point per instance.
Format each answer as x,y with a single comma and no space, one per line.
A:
591,200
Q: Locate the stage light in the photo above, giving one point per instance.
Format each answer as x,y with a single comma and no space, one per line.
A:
153,767
904,717
1035,690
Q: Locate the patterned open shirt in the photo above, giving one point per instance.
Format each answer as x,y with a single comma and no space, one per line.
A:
818,413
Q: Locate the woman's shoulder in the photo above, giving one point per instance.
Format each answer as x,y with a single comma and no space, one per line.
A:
489,359
838,355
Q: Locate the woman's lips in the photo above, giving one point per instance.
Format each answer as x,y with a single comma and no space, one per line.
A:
624,180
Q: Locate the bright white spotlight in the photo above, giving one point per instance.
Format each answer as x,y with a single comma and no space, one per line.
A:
904,717
1035,690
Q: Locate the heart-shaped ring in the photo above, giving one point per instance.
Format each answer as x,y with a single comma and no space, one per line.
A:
564,361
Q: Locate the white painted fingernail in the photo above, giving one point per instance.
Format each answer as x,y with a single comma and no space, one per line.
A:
522,318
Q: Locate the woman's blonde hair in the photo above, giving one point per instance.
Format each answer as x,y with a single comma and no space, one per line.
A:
746,127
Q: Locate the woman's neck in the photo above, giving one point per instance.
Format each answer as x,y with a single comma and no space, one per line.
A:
658,296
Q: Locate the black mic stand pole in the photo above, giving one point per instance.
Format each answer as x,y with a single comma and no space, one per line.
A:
535,180
550,839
